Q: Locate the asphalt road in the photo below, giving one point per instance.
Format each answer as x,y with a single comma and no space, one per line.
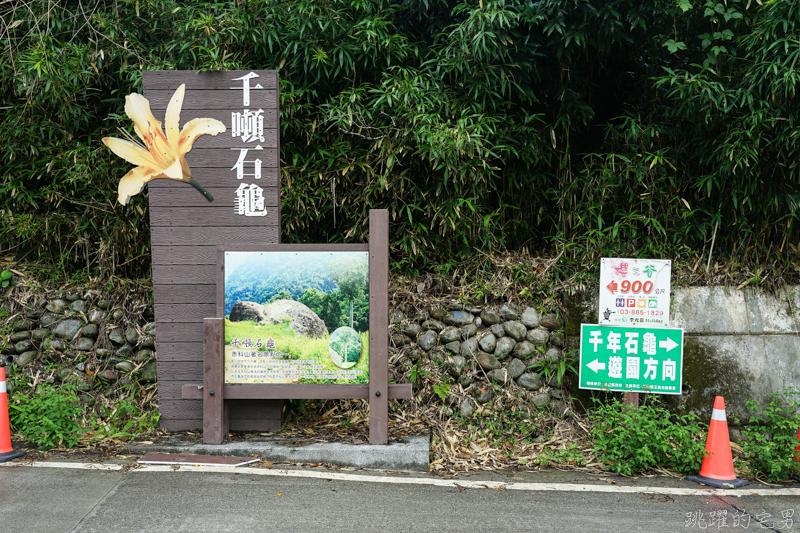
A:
71,498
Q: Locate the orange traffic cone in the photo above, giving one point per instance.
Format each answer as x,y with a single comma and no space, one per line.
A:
797,454
6,451
717,467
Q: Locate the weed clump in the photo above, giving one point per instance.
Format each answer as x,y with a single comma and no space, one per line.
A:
771,437
49,418
631,440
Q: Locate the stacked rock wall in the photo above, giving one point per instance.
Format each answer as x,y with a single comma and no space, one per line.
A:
505,346
97,342
741,344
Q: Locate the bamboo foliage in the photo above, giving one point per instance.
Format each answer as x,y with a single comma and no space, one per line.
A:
588,128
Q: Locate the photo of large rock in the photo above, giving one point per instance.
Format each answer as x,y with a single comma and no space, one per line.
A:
296,317
304,321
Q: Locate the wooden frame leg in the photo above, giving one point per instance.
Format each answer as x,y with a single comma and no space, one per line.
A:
378,326
215,409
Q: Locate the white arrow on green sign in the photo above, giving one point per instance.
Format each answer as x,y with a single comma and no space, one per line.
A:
631,359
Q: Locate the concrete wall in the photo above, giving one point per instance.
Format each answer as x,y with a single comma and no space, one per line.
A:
739,344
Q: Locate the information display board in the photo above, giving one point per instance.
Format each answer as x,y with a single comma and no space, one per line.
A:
635,291
306,303
631,359
296,316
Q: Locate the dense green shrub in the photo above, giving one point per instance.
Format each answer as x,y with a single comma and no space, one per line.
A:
594,127
632,440
49,417
771,437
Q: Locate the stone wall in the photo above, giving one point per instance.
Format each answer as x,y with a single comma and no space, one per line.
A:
739,344
482,348
97,342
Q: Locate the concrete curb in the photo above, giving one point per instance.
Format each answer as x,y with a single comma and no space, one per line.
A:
410,454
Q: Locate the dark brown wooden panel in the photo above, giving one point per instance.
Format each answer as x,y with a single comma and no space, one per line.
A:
247,412
189,371
181,409
209,215
189,196
215,412
180,351
202,236
169,79
184,275
254,409
270,122
274,247
171,424
184,312
227,140
171,390
169,332
226,159
183,255
271,425
221,280
215,177
185,228
184,294
378,326
219,99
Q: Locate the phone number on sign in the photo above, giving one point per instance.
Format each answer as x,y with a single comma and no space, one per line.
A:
641,312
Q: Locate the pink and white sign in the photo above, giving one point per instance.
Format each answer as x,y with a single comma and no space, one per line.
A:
634,292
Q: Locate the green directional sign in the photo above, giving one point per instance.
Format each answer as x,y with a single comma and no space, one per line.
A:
631,359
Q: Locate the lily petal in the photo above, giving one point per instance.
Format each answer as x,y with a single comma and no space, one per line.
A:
130,152
137,107
187,172
194,129
173,116
133,182
174,171
149,129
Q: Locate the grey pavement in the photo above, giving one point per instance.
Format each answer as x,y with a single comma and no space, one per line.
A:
40,499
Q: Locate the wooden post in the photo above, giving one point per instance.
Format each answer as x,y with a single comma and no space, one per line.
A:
215,412
631,398
378,326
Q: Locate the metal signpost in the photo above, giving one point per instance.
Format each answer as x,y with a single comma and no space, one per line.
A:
631,359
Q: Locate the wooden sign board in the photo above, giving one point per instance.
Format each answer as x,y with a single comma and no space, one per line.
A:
241,169
217,393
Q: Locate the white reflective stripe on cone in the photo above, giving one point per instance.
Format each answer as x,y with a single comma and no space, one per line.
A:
2,387
718,414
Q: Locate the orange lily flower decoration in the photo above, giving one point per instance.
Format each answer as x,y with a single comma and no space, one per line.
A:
162,156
